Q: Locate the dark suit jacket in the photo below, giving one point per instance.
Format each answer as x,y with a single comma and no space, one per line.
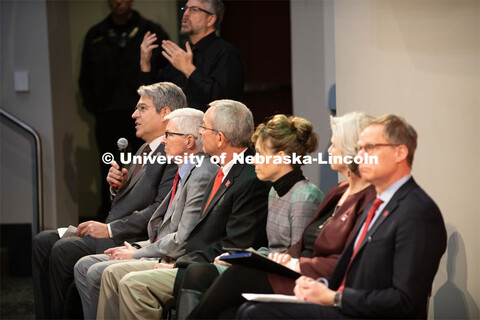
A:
393,270
136,202
236,217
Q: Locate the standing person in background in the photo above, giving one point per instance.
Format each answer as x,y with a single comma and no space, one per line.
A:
208,69
109,79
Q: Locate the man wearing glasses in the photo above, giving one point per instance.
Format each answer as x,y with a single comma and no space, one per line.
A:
174,219
209,68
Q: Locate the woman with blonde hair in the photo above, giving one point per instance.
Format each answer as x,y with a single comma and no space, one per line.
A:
322,242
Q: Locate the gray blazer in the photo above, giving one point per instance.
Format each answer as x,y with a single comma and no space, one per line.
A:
136,202
174,226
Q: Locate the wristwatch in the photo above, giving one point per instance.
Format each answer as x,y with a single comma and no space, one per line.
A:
136,246
337,300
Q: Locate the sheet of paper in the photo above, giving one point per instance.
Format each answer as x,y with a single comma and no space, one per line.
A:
260,297
67,232
61,231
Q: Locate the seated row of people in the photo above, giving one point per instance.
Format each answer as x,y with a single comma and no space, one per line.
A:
315,252
240,205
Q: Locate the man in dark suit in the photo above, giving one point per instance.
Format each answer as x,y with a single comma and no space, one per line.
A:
388,269
234,213
140,192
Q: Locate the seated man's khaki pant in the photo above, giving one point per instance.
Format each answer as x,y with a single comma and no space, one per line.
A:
135,290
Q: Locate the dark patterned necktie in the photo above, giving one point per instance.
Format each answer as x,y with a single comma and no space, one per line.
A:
146,150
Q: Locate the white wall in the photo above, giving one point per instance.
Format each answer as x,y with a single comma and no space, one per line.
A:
24,43
313,75
45,39
421,60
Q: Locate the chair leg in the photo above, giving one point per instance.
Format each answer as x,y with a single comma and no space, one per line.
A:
187,301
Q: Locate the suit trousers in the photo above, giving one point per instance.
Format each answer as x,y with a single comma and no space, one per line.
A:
252,310
135,290
53,260
224,297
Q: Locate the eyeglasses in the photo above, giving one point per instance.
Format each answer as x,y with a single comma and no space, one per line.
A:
194,10
170,134
141,108
205,128
370,147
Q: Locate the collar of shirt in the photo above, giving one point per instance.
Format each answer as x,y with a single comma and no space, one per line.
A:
182,171
228,166
204,42
154,144
387,195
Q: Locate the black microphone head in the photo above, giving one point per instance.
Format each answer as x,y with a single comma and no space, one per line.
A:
122,143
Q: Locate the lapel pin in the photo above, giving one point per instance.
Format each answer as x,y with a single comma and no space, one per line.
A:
344,218
385,213
227,183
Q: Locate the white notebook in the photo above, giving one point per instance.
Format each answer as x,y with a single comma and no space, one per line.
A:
67,232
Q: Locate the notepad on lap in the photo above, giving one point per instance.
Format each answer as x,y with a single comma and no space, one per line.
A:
255,260
67,232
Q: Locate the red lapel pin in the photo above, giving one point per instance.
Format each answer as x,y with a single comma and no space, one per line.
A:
227,183
385,213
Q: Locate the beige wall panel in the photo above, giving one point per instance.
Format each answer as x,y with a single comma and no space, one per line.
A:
421,60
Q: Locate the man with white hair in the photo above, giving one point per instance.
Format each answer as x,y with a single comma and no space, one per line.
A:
174,219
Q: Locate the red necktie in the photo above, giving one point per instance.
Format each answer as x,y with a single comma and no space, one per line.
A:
370,215
174,189
216,185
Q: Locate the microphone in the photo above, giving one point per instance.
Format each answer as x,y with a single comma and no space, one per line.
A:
122,144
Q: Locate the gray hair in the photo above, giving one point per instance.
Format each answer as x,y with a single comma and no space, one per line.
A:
346,129
188,121
217,8
234,120
164,95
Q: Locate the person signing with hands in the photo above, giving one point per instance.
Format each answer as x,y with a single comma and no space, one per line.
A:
208,69
182,60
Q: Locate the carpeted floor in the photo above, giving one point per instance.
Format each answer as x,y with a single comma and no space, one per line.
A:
16,298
